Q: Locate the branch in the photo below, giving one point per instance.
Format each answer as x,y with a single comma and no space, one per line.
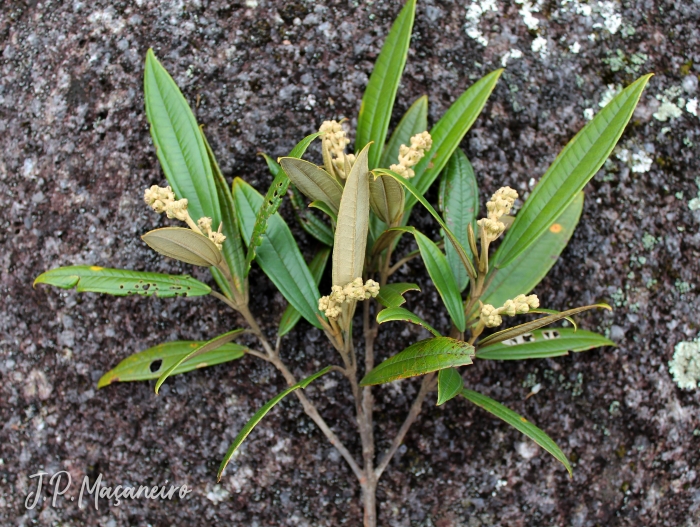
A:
410,418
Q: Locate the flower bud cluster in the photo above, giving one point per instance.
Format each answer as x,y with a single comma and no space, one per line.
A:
410,156
215,236
335,141
500,204
355,290
162,199
521,304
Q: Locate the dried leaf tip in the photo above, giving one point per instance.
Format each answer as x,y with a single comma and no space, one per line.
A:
355,290
409,156
334,143
521,304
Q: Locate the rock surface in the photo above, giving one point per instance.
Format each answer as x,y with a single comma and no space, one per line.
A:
76,156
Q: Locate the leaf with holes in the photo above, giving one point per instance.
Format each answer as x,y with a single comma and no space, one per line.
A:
516,331
391,295
543,343
459,203
378,99
248,428
121,282
422,357
577,163
278,255
449,385
519,423
149,364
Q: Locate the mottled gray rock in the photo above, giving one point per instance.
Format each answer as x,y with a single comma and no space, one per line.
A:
76,155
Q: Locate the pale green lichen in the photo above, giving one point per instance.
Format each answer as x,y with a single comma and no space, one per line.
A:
685,366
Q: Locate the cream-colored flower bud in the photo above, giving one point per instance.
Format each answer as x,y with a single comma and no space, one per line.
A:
492,228
501,202
337,294
204,224
323,303
218,239
422,141
177,210
509,308
371,288
402,171
333,312
490,317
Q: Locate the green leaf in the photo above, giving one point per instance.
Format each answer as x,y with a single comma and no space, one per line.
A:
459,203
179,144
422,357
391,295
577,163
544,343
461,252
413,122
300,148
314,182
450,385
399,313
521,329
120,282
441,275
449,131
184,245
380,93
320,205
387,198
353,222
150,363
206,347
248,428
518,422
311,223
269,206
528,269
278,255
232,248
291,316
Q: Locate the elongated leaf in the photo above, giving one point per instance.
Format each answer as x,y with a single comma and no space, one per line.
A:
232,248
519,423
449,385
320,205
542,310
391,295
544,343
248,428
528,269
449,131
184,245
278,255
413,122
461,251
179,144
206,347
353,222
535,324
291,316
441,275
399,313
149,364
380,93
420,358
314,182
269,206
309,221
121,282
387,198
459,203
300,148
577,163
